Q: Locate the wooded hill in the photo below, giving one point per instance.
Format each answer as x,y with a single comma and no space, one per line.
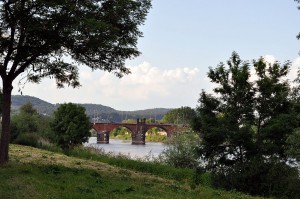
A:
99,112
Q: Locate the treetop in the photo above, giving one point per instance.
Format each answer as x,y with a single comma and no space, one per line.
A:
37,35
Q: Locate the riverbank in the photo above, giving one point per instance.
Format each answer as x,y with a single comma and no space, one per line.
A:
35,173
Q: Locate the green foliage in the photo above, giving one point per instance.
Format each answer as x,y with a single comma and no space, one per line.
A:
27,126
247,124
28,139
293,140
27,108
101,35
295,95
181,150
183,115
156,138
121,133
260,178
70,126
129,121
150,120
155,134
293,145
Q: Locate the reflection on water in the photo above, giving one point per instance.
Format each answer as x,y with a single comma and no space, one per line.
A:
125,147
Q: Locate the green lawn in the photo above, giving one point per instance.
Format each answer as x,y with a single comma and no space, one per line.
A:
35,173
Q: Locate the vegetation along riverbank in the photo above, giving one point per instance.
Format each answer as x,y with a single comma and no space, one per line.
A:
36,173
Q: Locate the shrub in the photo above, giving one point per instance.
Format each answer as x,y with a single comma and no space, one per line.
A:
182,150
27,139
259,177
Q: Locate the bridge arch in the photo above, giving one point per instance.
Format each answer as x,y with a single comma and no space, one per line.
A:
120,132
156,134
138,130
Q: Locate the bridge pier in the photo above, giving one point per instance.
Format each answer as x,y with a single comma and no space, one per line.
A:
103,137
138,137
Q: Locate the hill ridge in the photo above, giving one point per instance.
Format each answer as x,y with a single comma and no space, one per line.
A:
96,111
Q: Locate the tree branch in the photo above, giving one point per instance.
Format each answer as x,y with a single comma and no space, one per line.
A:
21,40
22,68
12,36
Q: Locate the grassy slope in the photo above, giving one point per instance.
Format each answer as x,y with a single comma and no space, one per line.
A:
34,173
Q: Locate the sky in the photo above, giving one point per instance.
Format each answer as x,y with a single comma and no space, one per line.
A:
182,39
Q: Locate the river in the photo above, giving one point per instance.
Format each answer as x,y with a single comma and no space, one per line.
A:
116,146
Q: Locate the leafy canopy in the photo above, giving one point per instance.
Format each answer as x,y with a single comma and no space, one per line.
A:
25,122
70,126
37,35
249,127
28,127
243,118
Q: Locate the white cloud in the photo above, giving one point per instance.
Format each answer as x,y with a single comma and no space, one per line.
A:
147,83
294,69
269,59
146,87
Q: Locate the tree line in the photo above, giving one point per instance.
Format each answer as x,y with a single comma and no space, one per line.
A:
68,127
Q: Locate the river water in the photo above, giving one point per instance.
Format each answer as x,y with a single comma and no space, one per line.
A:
116,146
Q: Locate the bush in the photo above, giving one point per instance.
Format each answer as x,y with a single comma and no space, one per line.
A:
29,121
258,177
27,139
182,150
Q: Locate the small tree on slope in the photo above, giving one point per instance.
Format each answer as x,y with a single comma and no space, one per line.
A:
70,126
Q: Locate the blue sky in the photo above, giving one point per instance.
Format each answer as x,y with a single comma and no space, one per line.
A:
181,40
200,32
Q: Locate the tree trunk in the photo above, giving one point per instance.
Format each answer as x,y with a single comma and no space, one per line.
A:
4,142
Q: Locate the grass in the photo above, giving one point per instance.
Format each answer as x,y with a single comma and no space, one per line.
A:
35,173
141,165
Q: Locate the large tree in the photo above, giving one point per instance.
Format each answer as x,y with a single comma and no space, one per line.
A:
36,35
247,126
227,117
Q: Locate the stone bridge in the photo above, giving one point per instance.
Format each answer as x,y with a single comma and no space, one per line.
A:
138,130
